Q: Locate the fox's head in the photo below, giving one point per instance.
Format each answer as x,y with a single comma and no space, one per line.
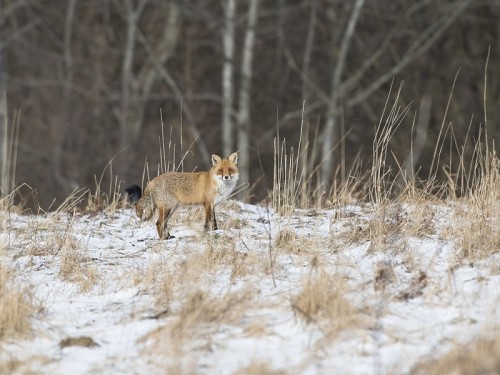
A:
225,169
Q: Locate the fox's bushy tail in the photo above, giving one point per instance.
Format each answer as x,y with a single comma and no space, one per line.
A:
132,194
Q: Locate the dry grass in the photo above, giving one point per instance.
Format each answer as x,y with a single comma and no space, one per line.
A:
196,318
104,200
388,226
480,357
394,223
477,221
76,266
322,301
44,236
53,237
29,365
288,241
200,307
160,280
16,307
259,368
8,366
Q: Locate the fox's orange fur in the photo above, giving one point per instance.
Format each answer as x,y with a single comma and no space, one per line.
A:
173,189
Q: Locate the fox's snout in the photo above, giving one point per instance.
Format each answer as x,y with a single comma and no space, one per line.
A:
226,177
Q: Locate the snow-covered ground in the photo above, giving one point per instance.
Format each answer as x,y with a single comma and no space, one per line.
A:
113,299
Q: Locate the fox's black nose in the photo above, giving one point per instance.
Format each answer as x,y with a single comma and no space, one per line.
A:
226,177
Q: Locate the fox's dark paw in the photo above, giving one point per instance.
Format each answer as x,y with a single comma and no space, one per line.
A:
167,237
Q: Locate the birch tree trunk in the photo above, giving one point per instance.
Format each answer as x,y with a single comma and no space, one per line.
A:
330,133
227,78
244,97
305,164
127,135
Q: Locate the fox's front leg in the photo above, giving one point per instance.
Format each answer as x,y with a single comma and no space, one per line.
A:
210,221
161,224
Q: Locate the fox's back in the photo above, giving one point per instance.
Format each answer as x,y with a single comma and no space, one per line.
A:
180,187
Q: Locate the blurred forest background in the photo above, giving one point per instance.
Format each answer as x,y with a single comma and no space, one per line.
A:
89,82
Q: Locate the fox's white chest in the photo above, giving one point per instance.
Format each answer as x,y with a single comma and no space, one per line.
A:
224,188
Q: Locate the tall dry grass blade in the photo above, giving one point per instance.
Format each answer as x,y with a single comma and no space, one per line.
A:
433,169
380,178
484,99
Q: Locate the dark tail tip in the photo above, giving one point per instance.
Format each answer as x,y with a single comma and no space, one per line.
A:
133,193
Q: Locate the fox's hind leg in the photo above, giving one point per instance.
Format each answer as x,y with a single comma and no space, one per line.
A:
161,224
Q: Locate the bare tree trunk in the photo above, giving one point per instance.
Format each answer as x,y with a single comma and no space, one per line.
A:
128,83
306,60
158,57
65,182
330,133
8,137
280,51
227,78
245,90
4,132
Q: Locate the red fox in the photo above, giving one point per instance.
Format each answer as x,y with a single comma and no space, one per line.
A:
170,190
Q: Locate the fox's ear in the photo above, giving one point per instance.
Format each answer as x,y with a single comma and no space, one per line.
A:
216,159
233,158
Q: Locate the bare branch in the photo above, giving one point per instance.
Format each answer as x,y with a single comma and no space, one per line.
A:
421,44
167,78
7,11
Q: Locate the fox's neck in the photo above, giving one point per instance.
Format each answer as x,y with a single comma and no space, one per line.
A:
223,188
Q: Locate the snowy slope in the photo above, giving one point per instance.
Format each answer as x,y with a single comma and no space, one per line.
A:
226,302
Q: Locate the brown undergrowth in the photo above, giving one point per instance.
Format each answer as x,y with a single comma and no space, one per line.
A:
479,357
